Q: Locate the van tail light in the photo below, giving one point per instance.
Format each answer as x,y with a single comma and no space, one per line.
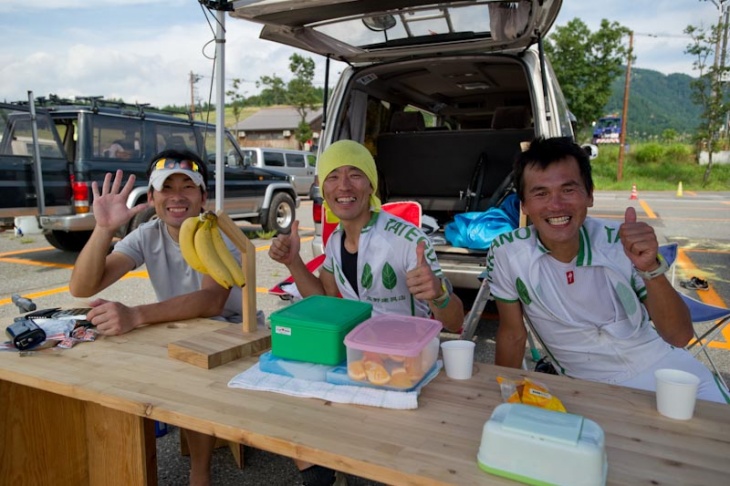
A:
80,191
317,210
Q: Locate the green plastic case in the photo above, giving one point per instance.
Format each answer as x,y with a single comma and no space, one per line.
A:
314,329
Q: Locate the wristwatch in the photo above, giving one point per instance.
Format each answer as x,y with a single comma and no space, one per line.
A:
660,270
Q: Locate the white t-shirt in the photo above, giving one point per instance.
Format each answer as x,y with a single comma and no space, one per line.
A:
170,275
386,252
575,322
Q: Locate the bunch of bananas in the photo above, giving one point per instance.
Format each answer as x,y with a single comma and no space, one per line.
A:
202,246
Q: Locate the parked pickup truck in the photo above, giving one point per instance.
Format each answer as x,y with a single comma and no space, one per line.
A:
80,141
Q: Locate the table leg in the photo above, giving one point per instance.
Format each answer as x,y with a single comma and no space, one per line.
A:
46,438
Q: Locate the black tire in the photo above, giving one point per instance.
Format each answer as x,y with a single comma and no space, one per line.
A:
68,241
147,215
281,213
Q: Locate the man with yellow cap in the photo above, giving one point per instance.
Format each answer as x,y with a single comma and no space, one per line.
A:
372,256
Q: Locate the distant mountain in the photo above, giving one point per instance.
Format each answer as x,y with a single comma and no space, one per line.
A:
656,102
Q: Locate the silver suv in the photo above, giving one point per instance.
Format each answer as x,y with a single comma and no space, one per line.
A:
442,93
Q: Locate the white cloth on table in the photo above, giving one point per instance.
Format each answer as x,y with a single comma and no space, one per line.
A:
255,379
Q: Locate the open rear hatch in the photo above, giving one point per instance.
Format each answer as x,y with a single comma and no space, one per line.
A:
377,30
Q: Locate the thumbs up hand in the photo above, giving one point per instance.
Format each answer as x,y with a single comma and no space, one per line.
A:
422,283
639,241
285,248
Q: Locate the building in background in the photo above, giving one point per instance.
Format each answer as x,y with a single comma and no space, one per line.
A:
276,127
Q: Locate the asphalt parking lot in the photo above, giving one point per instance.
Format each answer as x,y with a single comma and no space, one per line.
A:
698,223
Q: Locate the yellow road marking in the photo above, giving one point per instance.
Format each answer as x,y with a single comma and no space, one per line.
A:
29,250
36,263
665,218
645,206
5,257
709,296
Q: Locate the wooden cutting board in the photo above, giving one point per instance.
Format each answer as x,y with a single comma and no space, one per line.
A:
215,348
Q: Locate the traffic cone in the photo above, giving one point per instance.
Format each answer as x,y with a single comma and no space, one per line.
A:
634,192
679,190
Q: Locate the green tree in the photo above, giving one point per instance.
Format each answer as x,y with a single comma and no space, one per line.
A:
301,93
274,91
239,100
669,135
709,90
585,64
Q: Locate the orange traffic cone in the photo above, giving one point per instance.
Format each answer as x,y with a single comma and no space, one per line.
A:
634,192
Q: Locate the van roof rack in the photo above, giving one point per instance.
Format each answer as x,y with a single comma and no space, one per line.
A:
97,102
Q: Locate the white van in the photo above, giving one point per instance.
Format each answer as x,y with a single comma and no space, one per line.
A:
442,93
299,164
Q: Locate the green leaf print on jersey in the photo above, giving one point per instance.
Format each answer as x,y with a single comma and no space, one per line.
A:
522,291
627,298
367,277
341,277
389,277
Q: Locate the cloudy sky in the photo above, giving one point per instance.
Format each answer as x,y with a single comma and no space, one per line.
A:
144,50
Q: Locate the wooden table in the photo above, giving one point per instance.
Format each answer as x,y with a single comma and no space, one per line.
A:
84,416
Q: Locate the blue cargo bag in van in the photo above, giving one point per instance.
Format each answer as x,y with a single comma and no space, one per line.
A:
476,230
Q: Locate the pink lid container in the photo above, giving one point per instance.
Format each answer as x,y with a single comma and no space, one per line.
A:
393,334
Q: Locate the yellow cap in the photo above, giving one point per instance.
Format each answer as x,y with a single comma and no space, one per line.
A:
348,152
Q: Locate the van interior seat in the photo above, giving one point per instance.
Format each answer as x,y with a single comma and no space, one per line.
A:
511,117
446,162
407,121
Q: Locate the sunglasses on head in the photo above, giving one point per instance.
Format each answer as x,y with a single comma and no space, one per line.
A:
176,164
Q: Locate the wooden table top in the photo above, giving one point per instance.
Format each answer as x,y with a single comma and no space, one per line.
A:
435,444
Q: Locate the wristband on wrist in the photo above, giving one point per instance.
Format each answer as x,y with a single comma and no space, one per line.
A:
660,270
443,300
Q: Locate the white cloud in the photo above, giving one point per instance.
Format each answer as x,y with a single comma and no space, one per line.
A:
45,5
665,20
144,50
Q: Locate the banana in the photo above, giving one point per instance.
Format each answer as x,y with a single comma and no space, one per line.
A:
206,252
226,256
186,239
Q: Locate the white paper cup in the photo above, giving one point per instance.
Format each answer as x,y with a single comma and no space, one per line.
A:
458,359
676,393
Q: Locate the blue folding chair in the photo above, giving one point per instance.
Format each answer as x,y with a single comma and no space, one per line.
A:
700,312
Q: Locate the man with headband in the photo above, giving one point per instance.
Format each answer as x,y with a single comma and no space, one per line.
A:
372,256
177,190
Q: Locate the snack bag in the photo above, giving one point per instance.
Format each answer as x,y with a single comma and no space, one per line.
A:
529,392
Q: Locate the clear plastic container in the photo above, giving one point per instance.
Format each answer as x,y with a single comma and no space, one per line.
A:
392,351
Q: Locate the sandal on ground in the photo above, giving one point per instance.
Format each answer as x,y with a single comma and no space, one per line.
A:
695,283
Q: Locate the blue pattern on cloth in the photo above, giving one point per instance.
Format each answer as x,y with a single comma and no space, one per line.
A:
255,379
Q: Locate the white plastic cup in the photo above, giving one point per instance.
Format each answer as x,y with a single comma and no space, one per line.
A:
676,393
458,359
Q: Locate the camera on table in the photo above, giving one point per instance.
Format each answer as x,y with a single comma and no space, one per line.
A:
25,334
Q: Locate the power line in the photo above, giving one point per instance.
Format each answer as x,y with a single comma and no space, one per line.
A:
660,34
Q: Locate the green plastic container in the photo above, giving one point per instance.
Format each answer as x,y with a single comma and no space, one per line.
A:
314,329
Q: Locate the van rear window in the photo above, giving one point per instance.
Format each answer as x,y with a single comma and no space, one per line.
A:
18,136
273,159
295,160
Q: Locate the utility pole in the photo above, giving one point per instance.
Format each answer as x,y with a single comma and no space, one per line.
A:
723,56
194,78
719,63
625,112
